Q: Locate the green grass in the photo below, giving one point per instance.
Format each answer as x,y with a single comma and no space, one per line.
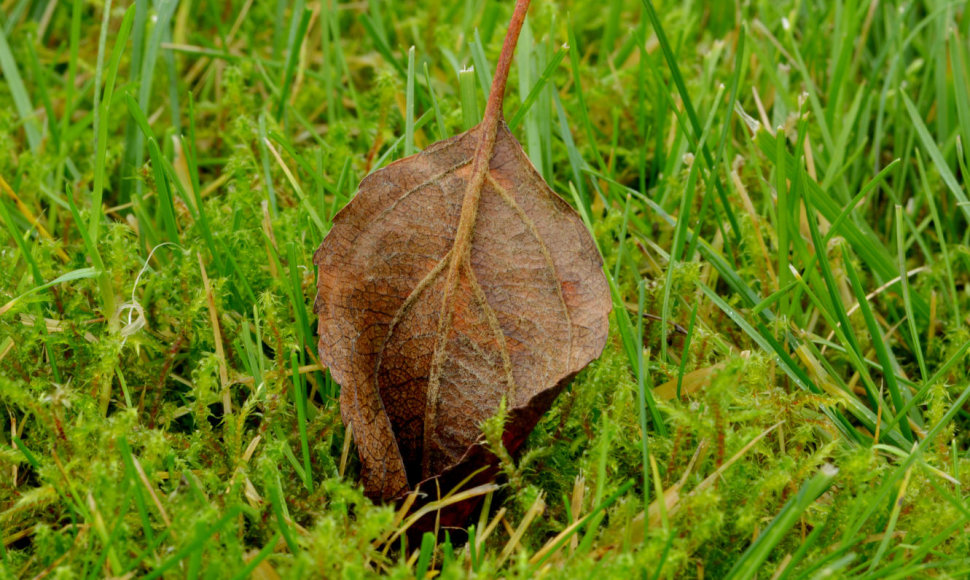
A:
778,190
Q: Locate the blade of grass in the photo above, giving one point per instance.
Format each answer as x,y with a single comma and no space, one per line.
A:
274,489
21,99
426,554
299,395
937,156
297,36
907,299
883,350
644,385
409,107
166,207
481,67
304,200
938,224
469,98
439,119
73,275
540,84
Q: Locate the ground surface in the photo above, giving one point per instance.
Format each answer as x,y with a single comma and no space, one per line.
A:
758,175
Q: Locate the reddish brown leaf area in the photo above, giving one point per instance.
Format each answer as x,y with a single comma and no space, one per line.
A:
427,328
455,279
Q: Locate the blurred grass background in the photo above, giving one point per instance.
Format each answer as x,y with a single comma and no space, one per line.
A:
778,190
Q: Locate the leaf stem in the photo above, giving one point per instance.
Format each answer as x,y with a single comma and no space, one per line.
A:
461,250
496,97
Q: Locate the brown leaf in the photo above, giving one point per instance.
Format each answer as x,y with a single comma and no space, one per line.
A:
454,278
691,383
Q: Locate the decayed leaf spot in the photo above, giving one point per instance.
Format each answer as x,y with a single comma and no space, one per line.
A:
454,278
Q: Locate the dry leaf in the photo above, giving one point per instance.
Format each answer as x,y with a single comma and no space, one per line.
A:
455,278
692,382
